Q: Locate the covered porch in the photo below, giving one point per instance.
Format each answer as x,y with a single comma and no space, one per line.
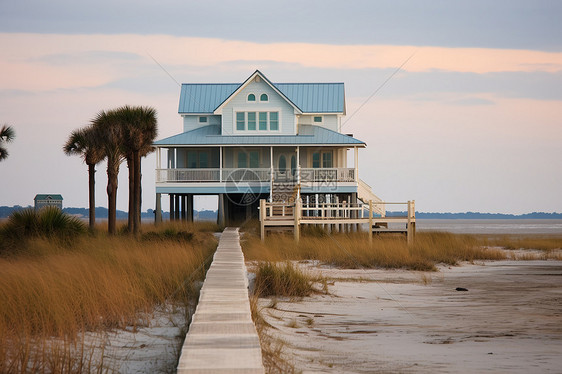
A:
303,165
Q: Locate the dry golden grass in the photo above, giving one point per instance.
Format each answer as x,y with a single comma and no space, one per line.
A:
284,279
542,243
49,291
354,250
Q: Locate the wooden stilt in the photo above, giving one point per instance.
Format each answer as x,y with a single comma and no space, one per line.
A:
296,214
262,219
370,232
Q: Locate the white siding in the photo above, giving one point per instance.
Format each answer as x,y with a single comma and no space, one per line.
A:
191,122
329,121
276,102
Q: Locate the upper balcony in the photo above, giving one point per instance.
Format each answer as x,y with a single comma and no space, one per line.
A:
303,176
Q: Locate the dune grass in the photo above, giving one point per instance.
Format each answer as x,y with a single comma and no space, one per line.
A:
49,222
542,243
51,292
353,250
284,279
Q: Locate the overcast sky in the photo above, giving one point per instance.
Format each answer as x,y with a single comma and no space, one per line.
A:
472,122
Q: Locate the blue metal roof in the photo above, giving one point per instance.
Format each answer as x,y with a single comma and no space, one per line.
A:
204,98
308,97
210,135
315,97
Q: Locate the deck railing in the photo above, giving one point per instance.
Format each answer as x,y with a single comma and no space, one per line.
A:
297,213
327,175
185,175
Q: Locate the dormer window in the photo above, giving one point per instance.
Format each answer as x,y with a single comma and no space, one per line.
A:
264,97
251,97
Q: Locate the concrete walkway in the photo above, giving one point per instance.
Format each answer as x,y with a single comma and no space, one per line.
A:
222,337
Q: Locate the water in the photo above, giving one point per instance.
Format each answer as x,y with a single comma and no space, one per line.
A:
492,226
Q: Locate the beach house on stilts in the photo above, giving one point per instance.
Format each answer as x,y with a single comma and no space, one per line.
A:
258,140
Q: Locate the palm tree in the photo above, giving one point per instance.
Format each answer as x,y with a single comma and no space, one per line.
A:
82,142
109,137
7,134
140,128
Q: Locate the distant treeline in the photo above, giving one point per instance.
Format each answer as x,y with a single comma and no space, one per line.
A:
101,212
478,215
205,215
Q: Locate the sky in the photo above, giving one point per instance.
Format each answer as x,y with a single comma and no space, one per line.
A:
459,102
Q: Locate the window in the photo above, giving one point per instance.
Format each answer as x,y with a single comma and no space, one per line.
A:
261,121
318,119
192,159
203,160
197,159
327,159
242,160
251,97
240,121
251,121
323,159
264,97
254,159
274,121
316,160
202,119
282,163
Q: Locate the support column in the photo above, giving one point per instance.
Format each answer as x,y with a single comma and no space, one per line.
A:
189,207
220,164
158,210
262,219
296,214
272,177
411,228
248,212
356,164
172,207
221,217
177,206
183,202
370,232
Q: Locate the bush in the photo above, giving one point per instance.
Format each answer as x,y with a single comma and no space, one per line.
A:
49,222
283,280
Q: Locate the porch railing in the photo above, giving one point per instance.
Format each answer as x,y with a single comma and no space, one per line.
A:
328,175
253,175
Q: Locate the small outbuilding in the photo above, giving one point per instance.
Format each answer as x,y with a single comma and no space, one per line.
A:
43,200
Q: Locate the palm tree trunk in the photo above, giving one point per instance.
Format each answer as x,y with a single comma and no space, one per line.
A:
112,200
137,192
92,195
131,213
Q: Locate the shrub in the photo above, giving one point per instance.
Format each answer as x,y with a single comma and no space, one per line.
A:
285,279
48,222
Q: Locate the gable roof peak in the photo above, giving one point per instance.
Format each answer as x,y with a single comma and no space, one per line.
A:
257,73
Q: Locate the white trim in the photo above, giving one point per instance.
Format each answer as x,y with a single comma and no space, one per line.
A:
257,131
219,109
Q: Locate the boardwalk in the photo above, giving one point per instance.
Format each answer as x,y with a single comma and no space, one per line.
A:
222,337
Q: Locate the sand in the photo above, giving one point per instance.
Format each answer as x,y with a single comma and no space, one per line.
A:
377,321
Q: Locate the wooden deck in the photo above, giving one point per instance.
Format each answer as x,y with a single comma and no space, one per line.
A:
343,216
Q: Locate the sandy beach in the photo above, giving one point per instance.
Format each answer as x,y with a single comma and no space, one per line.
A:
379,321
